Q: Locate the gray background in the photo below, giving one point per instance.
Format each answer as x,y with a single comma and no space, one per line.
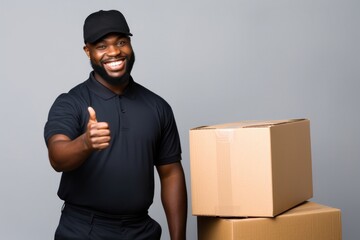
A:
213,61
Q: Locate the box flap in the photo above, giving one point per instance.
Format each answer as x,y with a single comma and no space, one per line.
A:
249,124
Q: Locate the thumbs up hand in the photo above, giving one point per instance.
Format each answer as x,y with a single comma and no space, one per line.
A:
97,135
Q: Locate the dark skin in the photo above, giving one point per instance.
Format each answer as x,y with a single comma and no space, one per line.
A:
112,52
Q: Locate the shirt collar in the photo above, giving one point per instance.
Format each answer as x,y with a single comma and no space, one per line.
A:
105,93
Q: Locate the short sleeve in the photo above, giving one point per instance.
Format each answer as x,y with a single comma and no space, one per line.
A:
169,148
64,118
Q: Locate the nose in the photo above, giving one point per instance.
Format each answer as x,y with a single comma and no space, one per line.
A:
113,50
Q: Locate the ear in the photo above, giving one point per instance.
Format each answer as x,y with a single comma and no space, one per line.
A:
87,51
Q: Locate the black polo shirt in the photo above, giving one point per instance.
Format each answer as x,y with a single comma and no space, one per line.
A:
120,178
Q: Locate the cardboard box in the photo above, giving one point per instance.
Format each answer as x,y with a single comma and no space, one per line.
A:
309,221
250,168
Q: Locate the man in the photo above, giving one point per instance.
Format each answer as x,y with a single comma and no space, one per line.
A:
106,135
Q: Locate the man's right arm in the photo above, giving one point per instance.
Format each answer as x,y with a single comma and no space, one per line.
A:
66,154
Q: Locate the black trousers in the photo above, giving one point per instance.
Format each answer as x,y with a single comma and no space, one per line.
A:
80,224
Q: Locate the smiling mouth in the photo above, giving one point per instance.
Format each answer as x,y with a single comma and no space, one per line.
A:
114,65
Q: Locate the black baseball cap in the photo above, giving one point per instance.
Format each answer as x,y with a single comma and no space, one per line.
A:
100,23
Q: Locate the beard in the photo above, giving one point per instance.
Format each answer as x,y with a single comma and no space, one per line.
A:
115,81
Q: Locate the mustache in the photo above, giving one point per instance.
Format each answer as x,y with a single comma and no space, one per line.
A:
126,58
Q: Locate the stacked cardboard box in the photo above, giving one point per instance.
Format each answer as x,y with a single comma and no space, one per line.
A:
309,221
252,169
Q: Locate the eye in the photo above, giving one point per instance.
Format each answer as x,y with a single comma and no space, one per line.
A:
100,47
122,42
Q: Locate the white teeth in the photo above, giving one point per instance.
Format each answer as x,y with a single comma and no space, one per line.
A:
114,64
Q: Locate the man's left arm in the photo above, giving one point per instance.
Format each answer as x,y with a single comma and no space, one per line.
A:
174,198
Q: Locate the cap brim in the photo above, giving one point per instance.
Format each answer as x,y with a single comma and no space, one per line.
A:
96,37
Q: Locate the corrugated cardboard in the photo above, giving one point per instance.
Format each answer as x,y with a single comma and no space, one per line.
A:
309,221
250,168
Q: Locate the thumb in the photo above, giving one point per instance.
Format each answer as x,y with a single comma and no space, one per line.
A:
92,114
